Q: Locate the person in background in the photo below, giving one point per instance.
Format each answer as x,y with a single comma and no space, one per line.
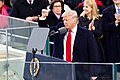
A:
76,45
44,14
66,7
53,19
100,6
9,3
56,9
27,9
109,3
92,20
4,10
111,27
41,17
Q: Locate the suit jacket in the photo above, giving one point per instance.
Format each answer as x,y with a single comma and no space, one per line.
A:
84,49
72,3
22,9
112,35
52,20
109,2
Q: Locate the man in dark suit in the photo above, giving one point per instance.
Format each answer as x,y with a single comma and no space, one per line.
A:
111,27
27,9
82,48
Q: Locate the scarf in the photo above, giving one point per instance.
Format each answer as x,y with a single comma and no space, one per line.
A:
4,10
3,19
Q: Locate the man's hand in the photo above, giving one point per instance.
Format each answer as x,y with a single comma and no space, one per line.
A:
117,17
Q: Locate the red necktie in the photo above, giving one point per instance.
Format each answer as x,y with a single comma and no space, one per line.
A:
68,47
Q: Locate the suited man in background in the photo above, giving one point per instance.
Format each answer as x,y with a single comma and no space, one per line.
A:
82,47
27,9
109,2
111,27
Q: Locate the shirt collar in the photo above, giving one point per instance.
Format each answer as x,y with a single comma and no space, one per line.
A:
29,1
74,29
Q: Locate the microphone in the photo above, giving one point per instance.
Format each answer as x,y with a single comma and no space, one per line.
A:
61,30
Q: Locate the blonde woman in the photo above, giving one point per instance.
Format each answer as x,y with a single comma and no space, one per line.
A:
91,20
90,14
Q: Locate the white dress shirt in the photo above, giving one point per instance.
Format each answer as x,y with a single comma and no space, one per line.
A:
73,34
29,1
116,8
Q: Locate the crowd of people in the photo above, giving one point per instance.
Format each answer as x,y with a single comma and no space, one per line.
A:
93,27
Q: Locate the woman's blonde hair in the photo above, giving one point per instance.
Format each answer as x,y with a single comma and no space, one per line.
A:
95,10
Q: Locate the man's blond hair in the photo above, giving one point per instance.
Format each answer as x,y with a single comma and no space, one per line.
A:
70,13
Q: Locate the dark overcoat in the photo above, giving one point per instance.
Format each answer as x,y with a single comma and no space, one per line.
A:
22,9
97,33
112,35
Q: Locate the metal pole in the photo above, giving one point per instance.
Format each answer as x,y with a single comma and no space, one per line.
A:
114,71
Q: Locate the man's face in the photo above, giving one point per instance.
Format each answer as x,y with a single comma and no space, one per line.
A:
1,3
68,22
57,8
116,2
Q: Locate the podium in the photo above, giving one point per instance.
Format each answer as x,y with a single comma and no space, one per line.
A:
49,68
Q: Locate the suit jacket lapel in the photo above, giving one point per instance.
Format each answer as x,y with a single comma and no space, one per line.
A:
24,2
77,38
112,12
